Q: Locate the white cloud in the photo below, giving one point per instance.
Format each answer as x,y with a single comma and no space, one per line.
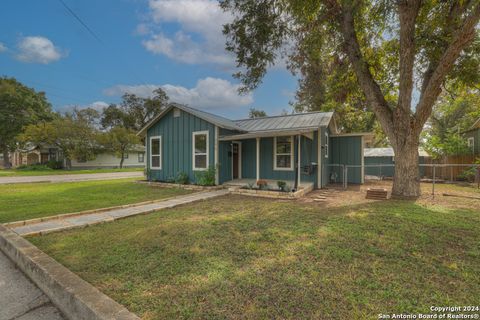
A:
38,50
199,38
3,48
209,93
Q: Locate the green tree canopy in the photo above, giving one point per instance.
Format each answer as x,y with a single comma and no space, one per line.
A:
120,140
134,112
456,111
74,133
256,113
399,53
20,106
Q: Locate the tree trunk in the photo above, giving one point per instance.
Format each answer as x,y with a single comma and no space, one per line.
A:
406,181
6,159
68,163
121,161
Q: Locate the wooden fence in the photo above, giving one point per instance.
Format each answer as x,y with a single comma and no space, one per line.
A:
447,172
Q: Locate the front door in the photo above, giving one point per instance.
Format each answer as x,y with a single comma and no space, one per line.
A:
235,160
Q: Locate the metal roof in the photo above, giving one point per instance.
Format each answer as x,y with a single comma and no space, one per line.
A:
387,152
212,118
311,120
294,121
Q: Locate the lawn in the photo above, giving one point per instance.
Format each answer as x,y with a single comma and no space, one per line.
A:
34,200
247,258
26,172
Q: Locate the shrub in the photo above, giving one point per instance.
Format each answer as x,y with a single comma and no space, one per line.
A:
182,178
250,185
170,180
34,167
281,185
262,184
55,164
207,177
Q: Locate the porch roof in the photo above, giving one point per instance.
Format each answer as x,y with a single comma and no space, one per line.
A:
266,133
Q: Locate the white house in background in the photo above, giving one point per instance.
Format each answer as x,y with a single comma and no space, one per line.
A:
132,159
41,154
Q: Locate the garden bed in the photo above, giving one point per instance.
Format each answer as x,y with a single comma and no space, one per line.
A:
269,193
193,187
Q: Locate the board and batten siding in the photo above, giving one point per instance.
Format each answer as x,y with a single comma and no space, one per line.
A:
177,144
347,151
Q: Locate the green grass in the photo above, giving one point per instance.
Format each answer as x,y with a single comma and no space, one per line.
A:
246,258
34,200
19,172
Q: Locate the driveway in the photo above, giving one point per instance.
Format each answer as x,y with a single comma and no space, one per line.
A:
72,177
20,299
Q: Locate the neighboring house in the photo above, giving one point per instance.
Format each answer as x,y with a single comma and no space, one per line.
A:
34,154
298,148
381,161
134,158
41,154
473,138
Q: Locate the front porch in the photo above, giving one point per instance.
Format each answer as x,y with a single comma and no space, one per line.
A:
293,157
272,183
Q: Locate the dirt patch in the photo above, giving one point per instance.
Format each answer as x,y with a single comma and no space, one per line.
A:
336,196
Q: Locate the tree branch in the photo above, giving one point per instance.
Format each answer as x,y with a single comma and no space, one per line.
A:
408,12
431,88
368,84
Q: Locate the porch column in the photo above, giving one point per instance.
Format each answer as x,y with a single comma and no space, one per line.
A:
258,159
298,161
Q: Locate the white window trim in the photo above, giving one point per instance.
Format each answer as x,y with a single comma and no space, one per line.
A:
471,141
197,133
326,145
275,154
161,152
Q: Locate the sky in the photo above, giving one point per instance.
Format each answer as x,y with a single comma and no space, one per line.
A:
130,46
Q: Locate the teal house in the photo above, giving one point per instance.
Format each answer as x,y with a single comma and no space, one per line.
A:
302,149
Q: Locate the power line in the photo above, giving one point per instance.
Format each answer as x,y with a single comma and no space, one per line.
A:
81,21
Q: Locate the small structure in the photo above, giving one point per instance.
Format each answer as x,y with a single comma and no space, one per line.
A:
380,162
299,149
32,154
473,138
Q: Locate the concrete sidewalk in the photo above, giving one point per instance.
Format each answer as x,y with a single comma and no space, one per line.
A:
106,216
20,299
72,177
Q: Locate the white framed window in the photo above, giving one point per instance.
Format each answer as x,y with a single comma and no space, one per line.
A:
471,142
283,153
200,150
326,144
141,157
156,152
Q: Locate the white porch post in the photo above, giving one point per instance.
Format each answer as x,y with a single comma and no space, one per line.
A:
258,159
216,148
298,161
319,161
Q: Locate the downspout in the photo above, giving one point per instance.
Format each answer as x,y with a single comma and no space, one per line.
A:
258,159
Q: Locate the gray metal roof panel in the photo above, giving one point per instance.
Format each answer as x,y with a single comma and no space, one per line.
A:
217,120
293,121
387,152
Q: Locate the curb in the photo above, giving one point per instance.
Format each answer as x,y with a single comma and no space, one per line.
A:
74,297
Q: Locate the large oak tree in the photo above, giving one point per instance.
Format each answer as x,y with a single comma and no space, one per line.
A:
20,106
400,52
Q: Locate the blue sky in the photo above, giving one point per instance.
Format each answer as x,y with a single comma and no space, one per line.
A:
175,44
